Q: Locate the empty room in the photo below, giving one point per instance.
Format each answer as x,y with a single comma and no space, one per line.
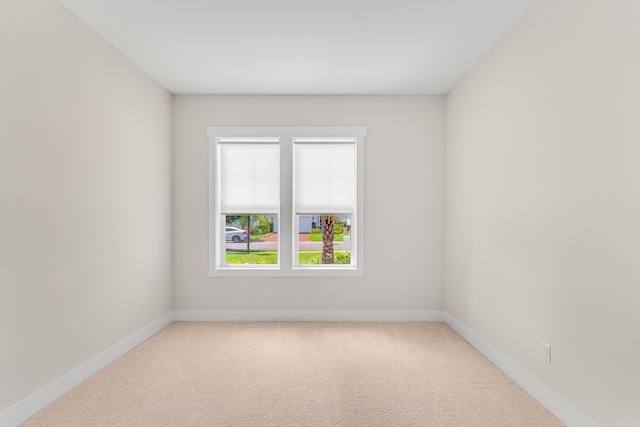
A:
431,213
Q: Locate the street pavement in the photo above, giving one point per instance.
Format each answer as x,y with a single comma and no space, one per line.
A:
304,245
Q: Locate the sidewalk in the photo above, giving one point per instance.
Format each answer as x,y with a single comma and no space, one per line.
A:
273,237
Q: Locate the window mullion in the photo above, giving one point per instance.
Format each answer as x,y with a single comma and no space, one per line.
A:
285,228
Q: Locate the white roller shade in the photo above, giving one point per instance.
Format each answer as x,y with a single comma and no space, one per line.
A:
249,178
324,176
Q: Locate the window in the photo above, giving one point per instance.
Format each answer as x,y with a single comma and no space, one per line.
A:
286,201
248,189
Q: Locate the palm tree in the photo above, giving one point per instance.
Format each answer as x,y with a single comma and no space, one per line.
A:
328,222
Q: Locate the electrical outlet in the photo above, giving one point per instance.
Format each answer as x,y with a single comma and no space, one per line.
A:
143,306
278,292
546,352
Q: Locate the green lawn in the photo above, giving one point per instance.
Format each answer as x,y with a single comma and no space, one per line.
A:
262,257
271,257
317,237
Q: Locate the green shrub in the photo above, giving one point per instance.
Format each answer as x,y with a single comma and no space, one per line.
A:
315,230
338,229
264,226
316,258
342,258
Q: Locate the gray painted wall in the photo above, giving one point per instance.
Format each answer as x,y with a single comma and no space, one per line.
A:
543,202
85,180
403,203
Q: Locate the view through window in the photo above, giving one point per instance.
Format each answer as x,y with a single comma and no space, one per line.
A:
256,243
324,239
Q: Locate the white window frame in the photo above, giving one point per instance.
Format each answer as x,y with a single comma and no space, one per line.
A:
287,220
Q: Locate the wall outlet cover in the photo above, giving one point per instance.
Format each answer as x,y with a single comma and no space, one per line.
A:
546,352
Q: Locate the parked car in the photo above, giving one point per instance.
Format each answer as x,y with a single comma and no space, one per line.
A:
235,235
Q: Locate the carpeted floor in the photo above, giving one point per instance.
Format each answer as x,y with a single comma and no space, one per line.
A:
299,374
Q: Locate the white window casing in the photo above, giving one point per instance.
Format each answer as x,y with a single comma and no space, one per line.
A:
285,171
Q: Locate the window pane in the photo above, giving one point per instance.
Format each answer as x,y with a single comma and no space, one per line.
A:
254,245
324,239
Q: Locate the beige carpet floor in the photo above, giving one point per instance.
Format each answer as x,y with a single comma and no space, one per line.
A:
299,374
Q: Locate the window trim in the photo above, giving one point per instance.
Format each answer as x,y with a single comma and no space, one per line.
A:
287,240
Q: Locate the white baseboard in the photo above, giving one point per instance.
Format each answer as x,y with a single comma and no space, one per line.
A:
33,404
307,316
550,400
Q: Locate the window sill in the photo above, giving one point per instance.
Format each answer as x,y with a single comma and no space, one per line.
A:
264,272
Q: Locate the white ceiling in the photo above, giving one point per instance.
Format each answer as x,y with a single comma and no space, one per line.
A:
303,46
